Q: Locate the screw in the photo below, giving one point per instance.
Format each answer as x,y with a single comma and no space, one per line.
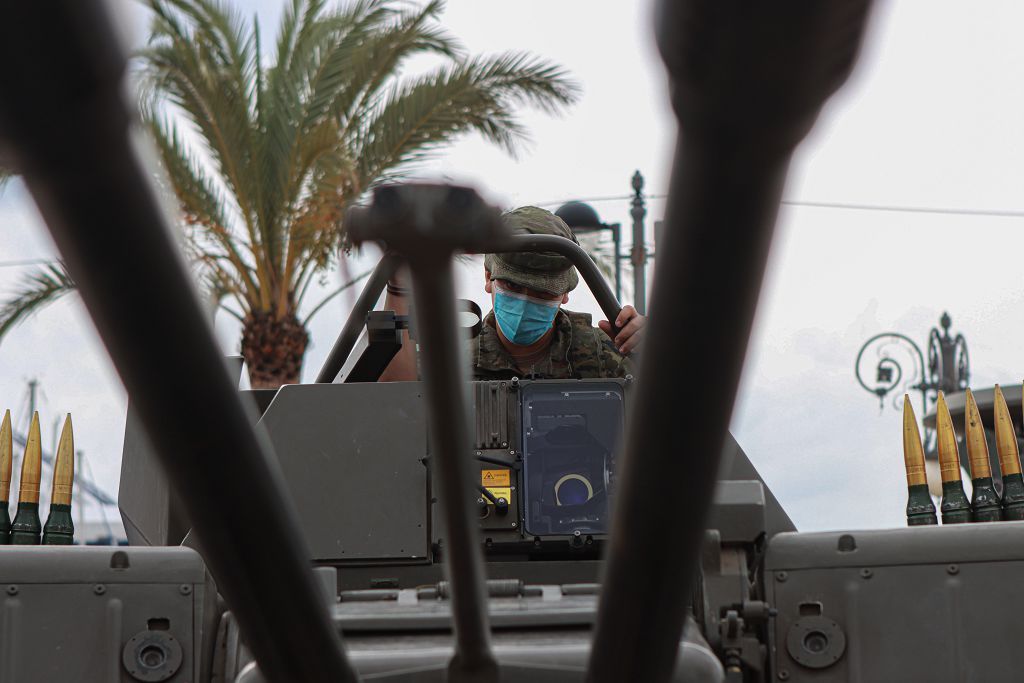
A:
783,675
185,589
513,525
12,590
953,569
99,589
866,573
781,576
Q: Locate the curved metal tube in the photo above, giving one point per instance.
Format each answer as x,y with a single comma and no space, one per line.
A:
728,174
357,319
516,243
584,264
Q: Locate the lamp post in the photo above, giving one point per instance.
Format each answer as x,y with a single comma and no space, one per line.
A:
947,369
638,255
583,219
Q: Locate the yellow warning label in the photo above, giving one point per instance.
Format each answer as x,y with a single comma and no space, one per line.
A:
500,492
491,478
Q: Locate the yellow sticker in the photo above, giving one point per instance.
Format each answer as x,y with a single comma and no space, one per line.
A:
495,478
500,492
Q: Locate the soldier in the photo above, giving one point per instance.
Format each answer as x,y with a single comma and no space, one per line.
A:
529,334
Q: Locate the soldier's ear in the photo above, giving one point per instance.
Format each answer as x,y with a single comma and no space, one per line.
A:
565,298
487,281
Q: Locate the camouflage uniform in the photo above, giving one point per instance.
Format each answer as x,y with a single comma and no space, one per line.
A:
578,350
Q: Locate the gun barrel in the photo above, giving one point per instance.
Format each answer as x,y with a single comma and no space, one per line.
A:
728,174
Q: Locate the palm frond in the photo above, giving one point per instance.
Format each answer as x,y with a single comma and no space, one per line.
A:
39,288
480,95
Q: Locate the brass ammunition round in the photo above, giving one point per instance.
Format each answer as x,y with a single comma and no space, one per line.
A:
1006,439
949,453
31,466
913,452
985,501
955,507
977,444
6,458
64,467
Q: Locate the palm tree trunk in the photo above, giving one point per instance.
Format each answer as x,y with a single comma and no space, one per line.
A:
273,349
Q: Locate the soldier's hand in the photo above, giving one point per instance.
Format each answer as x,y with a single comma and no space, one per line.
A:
630,324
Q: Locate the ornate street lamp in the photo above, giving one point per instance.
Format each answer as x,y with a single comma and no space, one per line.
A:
948,367
583,219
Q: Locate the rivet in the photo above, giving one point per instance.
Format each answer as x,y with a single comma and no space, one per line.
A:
781,576
12,590
185,589
953,569
866,573
783,675
99,589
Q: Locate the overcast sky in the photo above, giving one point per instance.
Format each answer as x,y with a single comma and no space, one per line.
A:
932,118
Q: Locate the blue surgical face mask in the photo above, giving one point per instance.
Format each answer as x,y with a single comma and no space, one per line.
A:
523,319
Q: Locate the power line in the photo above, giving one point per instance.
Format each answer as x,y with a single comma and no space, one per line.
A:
996,213
29,262
846,206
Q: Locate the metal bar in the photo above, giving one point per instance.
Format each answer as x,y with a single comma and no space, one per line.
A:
617,242
357,319
638,254
71,141
727,179
446,395
584,264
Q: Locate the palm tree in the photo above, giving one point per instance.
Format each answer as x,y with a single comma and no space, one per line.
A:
262,154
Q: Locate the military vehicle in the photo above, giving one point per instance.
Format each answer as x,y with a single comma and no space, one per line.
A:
519,530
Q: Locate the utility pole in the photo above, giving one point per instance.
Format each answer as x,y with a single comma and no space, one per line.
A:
33,384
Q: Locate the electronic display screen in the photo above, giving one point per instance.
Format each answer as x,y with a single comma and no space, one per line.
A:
571,438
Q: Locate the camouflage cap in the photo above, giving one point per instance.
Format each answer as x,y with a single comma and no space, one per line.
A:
547,271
